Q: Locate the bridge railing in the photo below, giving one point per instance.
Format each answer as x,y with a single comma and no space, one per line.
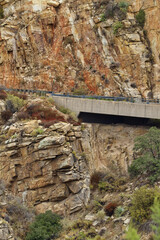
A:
107,98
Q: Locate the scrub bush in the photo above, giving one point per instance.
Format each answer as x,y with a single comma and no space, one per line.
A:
148,161
142,201
46,226
140,18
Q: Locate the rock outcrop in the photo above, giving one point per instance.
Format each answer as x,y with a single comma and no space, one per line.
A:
109,148
86,46
49,170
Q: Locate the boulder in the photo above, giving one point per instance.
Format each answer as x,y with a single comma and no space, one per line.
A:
59,192
68,176
63,162
30,126
75,186
53,140
53,3
12,130
90,217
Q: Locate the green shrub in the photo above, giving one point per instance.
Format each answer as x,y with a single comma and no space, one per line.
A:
105,186
81,224
142,200
148,162
81,236
45,226
100,215
15,102
50,100
37,131
119,211
117,25
140,17
64,110
111,184
80,91
123,6
20,95
67,111
1,13
132,234
97,205
103,17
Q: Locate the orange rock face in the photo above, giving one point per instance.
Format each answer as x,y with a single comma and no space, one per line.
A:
76,45
152,25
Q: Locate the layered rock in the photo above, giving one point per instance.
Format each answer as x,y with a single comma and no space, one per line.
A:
67,45
109,148
49,170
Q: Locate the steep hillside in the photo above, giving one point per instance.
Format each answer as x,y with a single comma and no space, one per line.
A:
94,47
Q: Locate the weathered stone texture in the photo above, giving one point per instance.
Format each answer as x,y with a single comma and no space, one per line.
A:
109,148
152,25
46,170
64,45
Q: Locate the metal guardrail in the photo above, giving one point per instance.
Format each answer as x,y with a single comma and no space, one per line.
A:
107,98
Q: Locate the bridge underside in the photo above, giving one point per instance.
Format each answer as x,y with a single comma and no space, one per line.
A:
114,119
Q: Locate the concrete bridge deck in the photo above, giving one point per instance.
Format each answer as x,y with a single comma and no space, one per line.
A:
129,107
119,108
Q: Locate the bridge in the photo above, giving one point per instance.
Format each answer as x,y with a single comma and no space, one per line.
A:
118,106
110,107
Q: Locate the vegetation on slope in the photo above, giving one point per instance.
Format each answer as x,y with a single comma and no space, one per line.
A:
45,226
36,107
147,149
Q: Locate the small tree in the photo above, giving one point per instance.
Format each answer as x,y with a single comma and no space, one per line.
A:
140,17
148,149
132,234
45,226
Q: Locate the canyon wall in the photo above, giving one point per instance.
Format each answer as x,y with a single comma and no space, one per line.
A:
52,169
72,46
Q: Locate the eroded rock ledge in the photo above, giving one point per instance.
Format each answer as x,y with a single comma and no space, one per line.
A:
49,170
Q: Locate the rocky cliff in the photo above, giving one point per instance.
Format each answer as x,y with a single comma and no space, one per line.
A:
109,148
52,170
88,46
49,170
